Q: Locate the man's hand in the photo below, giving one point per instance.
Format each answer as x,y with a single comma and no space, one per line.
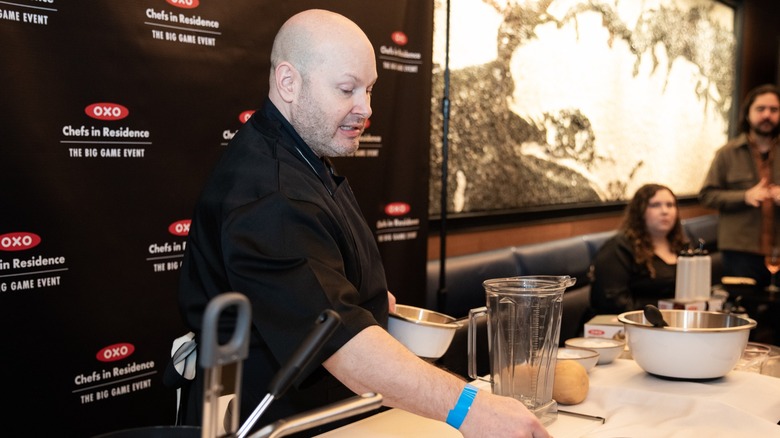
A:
774,193
391,301
758,193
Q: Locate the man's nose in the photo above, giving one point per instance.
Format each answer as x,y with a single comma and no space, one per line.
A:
363,106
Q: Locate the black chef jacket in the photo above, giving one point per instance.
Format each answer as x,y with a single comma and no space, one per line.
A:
275,224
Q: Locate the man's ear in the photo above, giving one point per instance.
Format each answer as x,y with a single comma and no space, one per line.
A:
287,81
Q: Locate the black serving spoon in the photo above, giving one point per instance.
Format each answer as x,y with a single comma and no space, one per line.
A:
654,316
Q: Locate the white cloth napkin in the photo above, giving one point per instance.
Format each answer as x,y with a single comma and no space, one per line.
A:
639,405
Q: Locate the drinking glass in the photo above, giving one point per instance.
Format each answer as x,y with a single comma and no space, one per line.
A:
772,262
771,366
753,357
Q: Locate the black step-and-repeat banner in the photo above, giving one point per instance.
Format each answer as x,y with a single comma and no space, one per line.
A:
113,113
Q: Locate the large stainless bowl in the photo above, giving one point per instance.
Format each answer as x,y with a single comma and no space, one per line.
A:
426,333
695,345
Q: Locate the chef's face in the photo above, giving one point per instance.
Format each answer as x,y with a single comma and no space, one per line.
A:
334,103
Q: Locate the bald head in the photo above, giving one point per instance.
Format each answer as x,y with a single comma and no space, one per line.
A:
323,70
306,40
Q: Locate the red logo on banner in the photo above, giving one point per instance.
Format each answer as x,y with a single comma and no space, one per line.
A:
397,208
18,241
185,4
399,38
243,117
107,111
596,332
115,352
180,228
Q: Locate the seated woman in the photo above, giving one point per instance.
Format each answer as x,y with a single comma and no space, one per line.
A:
638,265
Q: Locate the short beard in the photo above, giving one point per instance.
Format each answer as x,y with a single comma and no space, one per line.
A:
309,122
756,131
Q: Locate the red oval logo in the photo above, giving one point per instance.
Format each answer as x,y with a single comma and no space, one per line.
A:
107,111
115,352
19,241
399,38
243,117
596,332
184,4
397,208
180,228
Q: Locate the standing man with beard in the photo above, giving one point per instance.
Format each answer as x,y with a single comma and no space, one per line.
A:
742,184
276,223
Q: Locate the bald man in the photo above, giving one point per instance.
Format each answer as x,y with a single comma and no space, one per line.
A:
276,223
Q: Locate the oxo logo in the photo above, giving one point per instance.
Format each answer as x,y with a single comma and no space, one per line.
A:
397,208
243,117
115,352
180,228
107,111
185,4
399,38
18,241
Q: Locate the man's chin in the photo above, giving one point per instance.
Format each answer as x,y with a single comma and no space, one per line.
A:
769,132
345,149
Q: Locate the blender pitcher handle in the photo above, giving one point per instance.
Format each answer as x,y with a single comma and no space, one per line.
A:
472,341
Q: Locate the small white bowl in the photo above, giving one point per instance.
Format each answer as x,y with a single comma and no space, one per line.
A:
587,358
608,348
426,333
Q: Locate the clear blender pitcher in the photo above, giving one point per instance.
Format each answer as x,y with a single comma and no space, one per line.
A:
523,325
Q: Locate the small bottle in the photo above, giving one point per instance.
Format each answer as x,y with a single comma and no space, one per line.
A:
684,278
703,273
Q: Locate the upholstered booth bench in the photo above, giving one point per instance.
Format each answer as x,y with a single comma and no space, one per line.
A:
569,256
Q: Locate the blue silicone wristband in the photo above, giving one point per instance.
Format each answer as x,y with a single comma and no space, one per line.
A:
458,413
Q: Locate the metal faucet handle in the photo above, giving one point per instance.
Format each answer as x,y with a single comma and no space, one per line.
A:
324,415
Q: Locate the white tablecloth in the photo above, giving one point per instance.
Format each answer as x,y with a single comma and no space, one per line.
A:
634,404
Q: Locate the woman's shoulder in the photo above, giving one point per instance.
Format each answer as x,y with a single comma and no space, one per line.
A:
616,246
618,240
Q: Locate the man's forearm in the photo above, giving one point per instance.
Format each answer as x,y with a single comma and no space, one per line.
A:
373,361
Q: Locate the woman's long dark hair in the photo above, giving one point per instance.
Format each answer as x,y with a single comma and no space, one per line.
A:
635,229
